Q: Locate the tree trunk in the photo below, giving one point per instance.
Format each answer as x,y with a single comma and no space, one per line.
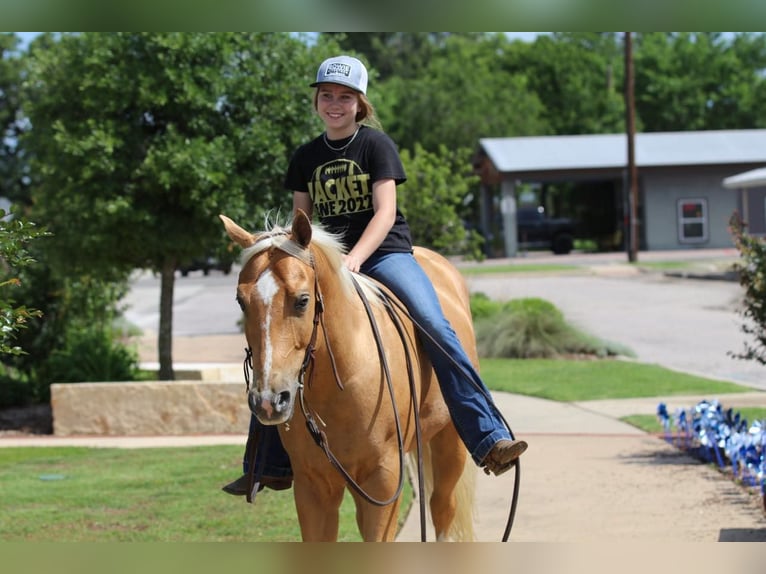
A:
165,336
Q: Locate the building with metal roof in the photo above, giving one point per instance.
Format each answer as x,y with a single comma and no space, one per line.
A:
682,200
752,198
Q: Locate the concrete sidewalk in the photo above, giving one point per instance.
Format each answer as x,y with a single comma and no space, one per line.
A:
589,477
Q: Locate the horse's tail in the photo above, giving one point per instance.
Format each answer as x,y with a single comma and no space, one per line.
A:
462,529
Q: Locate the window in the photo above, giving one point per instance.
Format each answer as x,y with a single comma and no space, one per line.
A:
692,221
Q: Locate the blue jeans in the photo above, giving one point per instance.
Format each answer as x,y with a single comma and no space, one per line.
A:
470,405
270,453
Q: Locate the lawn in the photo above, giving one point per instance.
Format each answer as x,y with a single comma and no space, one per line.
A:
588,379
139,495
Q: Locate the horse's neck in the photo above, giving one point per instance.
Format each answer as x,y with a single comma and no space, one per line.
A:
344,311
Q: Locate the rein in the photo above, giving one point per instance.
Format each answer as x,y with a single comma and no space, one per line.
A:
316,433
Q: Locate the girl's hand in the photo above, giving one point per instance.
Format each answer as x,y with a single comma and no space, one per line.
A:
352,262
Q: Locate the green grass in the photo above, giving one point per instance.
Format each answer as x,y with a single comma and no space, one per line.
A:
583,380
664,265
487,269
647,423
141,495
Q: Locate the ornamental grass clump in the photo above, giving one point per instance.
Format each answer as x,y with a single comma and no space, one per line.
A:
532,328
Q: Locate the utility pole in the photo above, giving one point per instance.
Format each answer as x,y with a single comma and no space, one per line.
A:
630,125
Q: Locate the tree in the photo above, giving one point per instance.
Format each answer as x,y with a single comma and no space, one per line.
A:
15,235
462,95
700,81
11,160
140,140
576,76
437,189
403,54
752,276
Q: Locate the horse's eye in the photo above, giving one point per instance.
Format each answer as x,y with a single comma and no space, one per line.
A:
302,302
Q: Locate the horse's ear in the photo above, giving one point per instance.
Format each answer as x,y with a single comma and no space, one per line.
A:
301,228
238,235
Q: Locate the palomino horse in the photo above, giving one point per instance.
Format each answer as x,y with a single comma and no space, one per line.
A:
303,316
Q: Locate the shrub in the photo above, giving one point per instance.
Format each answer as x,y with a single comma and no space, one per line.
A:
752,276
17,392
533,328
92,355
483,307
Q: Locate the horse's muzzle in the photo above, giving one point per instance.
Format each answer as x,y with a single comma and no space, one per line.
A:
271,408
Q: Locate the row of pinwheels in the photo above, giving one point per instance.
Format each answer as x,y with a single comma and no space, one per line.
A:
722,437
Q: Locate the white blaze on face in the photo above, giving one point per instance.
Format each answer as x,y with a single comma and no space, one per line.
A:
267,288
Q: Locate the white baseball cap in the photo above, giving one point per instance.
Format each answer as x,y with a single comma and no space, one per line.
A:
343,70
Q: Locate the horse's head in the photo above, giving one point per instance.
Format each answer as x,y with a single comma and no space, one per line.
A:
276,291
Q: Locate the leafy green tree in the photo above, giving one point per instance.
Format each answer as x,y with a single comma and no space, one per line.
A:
15,235
462,95
403,54
140,140
752,276
700,81
437,189
578,77
445,90
11,126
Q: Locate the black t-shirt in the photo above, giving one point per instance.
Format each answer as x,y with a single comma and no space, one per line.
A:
340,184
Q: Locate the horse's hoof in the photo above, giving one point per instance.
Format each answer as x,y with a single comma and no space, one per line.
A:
503,456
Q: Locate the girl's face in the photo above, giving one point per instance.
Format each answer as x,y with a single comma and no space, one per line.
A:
337,106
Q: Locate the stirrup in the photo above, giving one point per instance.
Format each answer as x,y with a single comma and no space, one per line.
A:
240,486
503,456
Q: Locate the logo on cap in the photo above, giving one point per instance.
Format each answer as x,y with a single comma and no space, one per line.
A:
338,69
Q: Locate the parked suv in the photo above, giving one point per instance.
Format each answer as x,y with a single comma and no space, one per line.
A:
536,229
206,264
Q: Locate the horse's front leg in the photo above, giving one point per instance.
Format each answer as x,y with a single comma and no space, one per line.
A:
378,523
317,502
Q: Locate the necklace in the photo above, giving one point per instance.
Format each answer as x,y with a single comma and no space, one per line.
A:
344,146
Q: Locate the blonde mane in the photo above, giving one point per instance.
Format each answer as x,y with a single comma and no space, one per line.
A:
328,244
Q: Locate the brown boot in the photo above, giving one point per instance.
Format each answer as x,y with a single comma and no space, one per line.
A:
503,456
239,487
